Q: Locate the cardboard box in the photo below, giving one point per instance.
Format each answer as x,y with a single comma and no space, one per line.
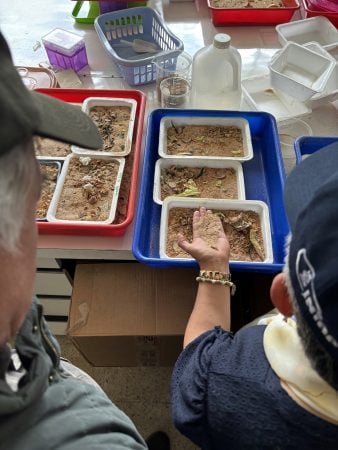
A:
129,314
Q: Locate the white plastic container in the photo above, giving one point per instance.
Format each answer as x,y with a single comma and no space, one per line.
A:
318,29
299,71
216,76
162,163
260,96
178,121
51,213
107,102
242,205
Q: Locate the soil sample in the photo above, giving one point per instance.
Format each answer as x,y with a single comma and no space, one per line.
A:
48,147
49,173
88,189
242,228
246,4
205,182
113,124
205,140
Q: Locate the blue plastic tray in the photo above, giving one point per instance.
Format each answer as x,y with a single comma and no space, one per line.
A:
264,179
307,145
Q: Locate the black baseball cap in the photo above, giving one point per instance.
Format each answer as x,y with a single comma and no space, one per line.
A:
311,203
25,113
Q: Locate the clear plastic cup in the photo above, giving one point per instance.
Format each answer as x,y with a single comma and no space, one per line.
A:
290,129
175,92
172,64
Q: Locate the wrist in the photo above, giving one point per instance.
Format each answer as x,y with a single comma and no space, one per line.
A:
215,266
217,278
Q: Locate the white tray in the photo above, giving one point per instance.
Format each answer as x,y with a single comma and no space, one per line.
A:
260,96
242,124
91,102
257,206
318,29
51,213
196,162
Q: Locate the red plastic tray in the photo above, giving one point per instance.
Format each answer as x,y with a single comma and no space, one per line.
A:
253,16
308,12
118,229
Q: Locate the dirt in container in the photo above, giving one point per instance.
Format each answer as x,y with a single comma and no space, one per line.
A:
242,228
113,124
88,189
48,147
205,140
246,4
205,182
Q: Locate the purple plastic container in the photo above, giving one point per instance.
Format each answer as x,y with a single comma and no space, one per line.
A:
112,5
324,5
65,49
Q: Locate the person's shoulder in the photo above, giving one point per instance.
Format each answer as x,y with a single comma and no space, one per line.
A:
242,354
242,340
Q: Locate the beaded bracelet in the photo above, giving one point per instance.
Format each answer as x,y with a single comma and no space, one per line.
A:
216,277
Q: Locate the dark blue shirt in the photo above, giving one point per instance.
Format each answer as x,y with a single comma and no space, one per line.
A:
226,396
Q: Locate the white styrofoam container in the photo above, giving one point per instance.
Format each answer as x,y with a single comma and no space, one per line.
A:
163,163
242,124
330,92
91,102
260,96
318,29
315,47
49,162
51,213
299,71
257,206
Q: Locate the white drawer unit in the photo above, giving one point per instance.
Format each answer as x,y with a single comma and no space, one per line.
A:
55,306
53,289
57,328
47,263
52,283
56,311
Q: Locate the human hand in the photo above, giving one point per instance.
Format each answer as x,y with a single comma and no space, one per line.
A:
210,246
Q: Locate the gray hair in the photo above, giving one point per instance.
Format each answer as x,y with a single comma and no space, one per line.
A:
319,359
17,173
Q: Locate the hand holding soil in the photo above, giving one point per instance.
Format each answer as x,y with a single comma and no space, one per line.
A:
209,246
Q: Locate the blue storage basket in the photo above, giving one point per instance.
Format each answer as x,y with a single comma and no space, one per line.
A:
141,23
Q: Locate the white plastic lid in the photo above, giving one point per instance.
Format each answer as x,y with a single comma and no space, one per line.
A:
63,40
222,40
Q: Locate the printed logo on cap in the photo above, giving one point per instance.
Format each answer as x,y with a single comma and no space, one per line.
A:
306,275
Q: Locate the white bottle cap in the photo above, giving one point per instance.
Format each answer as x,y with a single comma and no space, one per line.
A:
222,40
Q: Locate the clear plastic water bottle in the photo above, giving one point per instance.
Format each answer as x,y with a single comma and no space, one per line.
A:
216,76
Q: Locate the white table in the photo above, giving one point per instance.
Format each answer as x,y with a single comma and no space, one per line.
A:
24,23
